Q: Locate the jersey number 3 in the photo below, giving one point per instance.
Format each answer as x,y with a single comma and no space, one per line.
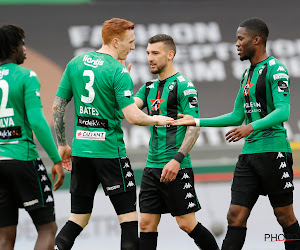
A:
89,87
5,112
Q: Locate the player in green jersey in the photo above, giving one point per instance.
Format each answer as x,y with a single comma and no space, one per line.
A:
102,91
265,165
168,181
24,180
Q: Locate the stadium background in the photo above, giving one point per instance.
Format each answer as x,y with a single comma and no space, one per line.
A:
204,31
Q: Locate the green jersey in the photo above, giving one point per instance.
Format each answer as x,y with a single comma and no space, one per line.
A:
20,98
174,95
264,102
101,87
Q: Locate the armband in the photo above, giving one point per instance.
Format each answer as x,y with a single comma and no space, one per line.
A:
179,157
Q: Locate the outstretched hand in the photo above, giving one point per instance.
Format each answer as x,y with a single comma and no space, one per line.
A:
238,133
163,120
186,120
65,154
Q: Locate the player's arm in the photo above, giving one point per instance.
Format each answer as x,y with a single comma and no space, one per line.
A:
171,169
139,102
59,110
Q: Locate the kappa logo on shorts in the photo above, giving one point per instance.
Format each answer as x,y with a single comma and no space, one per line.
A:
191,205
126,165
56,247
280,155
282,165
185,176
187,185
130,184
49,199
288,185
128,175
113,187
44,178
285,175
41,167
47,189
189,196
30,203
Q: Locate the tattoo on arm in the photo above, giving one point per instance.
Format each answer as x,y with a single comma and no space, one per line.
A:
59,108
191,136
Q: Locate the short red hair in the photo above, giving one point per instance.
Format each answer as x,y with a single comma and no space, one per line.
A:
115,27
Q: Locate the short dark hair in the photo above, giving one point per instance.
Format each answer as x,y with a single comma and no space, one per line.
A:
166,39
257,27
10,38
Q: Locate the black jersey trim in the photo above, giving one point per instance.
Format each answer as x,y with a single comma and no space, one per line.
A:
246,94
261,92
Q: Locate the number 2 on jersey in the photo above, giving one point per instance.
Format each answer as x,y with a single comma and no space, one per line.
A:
89,87
5,112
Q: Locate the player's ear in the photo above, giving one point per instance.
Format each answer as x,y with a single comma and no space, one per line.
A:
257,40
171,54
115,42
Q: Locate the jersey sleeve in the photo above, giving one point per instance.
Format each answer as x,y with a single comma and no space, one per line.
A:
188,99
142,94
32,88
235,118
123,88
280,86
65,87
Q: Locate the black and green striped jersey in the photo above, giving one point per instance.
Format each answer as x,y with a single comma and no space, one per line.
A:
263,100
168,97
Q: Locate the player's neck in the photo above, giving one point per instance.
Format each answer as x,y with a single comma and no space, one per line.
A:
10,60
106,49
259,57
169,71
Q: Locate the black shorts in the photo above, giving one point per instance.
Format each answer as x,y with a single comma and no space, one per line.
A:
177,197
25,184
263,174
115,175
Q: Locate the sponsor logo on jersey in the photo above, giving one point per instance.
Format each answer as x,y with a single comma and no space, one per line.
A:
90,135
187,185
4,72
10,133
288,185
181,78
128,174
130,184
91,62
280,75
285,175
252,104
47,189
89,122
127,93
272,62
193,103
189,196
113,187
283,86
156,106
247,88
190,84
190,92
280,155
30,203
49,199
124,70
282,165
280,68
32,74
191,205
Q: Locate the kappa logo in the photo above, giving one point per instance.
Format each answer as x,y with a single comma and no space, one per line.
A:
280,68
285,175
280,155
49,199
128,175
185,176
56,247
124,70
189,196
187,185
282,165
288,185
113,187
130,184
126,165
32,74
151,86
191,205
41,167
47,189
30,203
38,93
44,178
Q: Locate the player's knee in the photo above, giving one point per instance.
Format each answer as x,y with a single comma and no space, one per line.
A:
285,219
147,225
184,226
235,217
